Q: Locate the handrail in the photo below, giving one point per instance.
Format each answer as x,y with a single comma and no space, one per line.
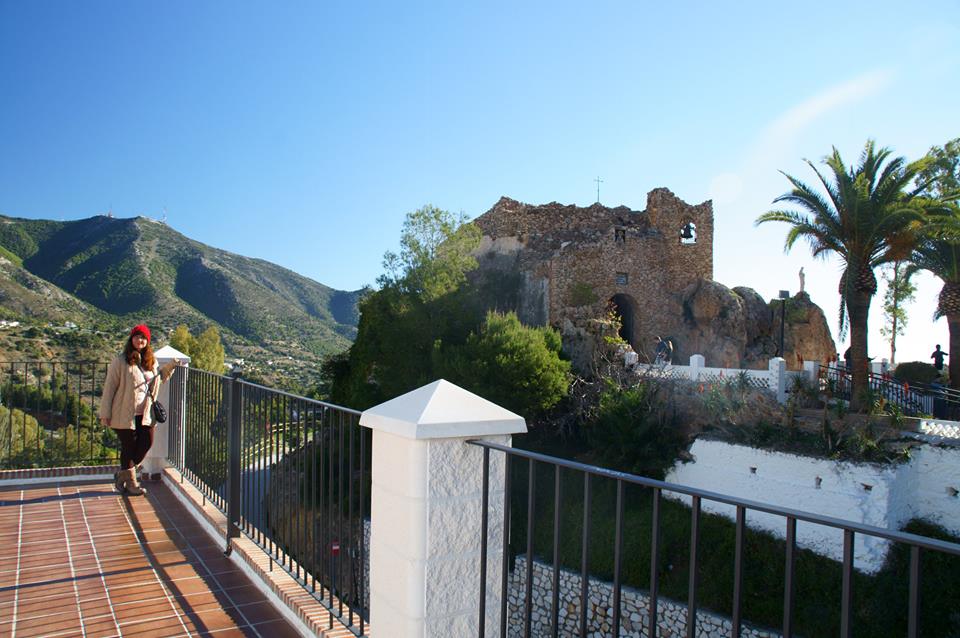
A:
282,468
339,408
800,515
547,616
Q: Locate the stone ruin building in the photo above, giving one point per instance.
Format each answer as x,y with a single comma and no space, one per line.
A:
654,268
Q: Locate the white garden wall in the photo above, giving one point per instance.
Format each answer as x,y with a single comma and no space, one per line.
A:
885,496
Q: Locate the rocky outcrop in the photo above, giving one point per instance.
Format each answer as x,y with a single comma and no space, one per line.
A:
807,335
714,325
738,329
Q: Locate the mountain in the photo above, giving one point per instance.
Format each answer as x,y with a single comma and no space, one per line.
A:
119,271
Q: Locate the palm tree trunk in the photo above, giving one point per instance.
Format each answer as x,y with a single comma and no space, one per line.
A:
858,306
953,322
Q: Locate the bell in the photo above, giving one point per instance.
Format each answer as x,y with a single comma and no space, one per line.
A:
687,231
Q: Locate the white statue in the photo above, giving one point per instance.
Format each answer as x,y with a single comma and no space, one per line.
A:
803,279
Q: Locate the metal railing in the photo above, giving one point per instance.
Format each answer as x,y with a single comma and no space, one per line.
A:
290,473
914,399
590,474
49,415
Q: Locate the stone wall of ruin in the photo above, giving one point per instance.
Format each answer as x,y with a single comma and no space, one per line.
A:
575,257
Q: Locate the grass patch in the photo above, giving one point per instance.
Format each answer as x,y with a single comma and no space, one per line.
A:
11,256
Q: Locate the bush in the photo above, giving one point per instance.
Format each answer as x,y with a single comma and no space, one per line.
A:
515,366
916,372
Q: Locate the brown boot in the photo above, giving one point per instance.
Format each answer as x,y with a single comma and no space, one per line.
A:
131,484
118,481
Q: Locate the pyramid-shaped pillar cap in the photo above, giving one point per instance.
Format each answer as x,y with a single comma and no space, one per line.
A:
169,352
441,410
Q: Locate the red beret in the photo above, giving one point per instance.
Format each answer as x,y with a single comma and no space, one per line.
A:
141,329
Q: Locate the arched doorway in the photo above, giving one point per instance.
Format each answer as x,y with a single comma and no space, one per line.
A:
625,308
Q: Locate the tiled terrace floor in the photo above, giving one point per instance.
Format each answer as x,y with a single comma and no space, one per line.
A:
77,559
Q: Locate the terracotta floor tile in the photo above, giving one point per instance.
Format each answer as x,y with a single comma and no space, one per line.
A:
245,595
49,624
136,591
60,557
204,601
237,632
133,545
220,565
55,589
90,586
41,607
156,628
259,612
214,620
100,627
277,629
144,610
116,581
173,558
233,579
92,608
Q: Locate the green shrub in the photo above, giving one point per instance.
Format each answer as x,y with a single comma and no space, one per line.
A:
628,432
515,366
916,372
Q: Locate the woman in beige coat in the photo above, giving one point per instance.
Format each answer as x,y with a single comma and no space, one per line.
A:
132,385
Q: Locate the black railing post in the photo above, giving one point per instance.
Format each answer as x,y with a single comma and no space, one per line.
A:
232,399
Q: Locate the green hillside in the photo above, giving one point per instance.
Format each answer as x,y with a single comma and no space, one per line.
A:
106,271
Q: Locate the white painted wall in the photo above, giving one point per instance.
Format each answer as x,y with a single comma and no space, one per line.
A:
923,487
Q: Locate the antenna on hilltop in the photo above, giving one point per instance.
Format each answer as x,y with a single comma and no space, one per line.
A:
598,181
163,220
110,211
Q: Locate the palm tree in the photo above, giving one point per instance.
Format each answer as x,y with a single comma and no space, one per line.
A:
865,218
938,252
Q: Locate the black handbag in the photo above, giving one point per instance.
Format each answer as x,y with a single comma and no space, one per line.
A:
158,412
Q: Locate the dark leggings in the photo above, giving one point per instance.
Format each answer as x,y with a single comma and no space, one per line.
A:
134,444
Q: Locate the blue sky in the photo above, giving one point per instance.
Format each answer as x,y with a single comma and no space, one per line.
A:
302,133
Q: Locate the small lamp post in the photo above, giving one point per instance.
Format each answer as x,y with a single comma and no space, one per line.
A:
784,295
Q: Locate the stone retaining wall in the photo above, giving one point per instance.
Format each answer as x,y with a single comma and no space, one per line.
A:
671,616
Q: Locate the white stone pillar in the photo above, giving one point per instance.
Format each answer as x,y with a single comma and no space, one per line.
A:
811,370
426,497
778,378
156,458
697,363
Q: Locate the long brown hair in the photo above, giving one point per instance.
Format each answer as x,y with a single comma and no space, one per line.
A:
134,358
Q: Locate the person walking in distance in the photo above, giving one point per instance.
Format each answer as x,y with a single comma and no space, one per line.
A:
663,352
938,356
132,385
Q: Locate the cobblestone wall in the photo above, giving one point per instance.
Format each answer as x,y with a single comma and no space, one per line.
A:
671,616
